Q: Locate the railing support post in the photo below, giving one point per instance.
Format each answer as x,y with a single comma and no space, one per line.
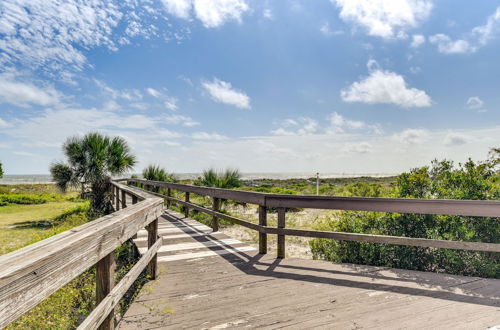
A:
124,199
262,236
134,201
186,208
169,194
117,201
152,229
281,238
105,281
215,207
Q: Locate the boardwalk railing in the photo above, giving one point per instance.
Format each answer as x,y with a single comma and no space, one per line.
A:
31,274
478,208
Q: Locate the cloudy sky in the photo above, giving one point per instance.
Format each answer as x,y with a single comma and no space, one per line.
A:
266,86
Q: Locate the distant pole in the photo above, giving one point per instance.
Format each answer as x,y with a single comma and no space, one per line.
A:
317,183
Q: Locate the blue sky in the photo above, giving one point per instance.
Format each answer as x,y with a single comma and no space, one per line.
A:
265,86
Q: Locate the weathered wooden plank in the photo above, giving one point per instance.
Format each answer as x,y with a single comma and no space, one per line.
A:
215,207
108,304
124,199
152,229
397,240
281,236
400,205
29,275
262,236
105,281
117,198
458,245
242,196
221,215
186,207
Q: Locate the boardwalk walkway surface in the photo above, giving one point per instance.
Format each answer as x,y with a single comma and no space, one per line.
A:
211,281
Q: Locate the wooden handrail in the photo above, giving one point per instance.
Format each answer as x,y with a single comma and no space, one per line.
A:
479,208
31,274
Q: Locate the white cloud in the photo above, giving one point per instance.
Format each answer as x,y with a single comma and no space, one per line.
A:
267,13
338,123
223,92
448,46
417,40
24,94
44,32
326,30
299,126
456,139
470,42
178,8
385,18
358,148
154,93
412,136
180,119
208,136
4,124
212,13
474,102
53,36
169,102
385,87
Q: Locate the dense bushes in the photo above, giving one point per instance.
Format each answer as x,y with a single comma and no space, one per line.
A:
440,180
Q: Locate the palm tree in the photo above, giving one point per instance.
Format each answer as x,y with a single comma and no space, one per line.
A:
91,161
229,178
157,173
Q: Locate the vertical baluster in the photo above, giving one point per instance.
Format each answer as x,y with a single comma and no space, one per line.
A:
117,201
262,236
281,238
124,199
152,229
186,208
105,281
169,194
215,219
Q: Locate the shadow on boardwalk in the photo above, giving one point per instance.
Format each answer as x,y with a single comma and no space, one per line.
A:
246,289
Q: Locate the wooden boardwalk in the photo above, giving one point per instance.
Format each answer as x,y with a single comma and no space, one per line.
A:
211,281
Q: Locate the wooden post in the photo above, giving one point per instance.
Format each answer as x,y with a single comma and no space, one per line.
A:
169,194
215,220
262,236
281,238
124,199
117,201
186,208
152,229
134,201
105,281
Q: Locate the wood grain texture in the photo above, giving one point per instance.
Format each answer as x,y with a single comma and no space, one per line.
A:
30,274
478,208
262,236
384,239
105,281
152,230
215,208
281,235
109,302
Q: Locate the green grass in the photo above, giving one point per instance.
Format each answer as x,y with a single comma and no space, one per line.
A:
21,224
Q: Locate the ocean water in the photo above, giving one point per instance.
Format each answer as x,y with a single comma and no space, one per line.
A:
46,178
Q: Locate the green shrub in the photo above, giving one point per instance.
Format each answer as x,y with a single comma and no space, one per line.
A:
440,180
21,199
